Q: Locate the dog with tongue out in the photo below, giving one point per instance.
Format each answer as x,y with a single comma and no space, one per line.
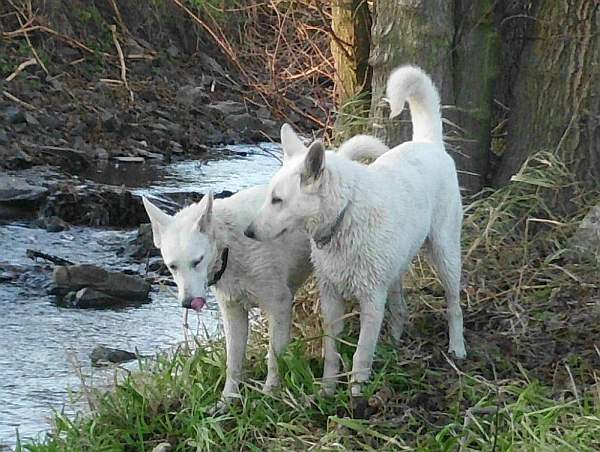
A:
203,245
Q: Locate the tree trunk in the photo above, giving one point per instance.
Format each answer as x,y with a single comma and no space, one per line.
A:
556,100
475,67
350,47
456,43
409,32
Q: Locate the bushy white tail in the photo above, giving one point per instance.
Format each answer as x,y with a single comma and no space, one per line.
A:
362,146
410,84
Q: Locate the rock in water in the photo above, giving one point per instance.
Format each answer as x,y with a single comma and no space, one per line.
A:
87,298
142,245
102,356
114,284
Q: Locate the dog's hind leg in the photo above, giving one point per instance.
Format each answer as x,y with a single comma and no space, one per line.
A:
280,324
372,308
332,312
445,258
398,312
235,324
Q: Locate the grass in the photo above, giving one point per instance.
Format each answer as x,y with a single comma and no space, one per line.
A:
531,381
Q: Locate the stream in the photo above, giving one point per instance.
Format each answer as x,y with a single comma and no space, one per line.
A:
41,344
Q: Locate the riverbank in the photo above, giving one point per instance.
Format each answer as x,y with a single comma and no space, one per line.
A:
530,382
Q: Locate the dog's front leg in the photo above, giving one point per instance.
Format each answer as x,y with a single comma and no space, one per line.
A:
235,324
372,308
280,324
332,311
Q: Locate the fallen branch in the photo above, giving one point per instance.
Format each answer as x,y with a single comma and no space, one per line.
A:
20,68
113,29
33,254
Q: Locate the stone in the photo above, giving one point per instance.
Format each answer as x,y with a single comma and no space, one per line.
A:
172,51
102,355
228,107
115,284
17,189
87,298
31,119
271,128
55,224
243,122
100,154
585,243
14,115
129,159
142,245
191,95
263,113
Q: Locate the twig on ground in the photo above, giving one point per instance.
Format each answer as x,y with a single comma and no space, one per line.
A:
113,29
22,103
20,68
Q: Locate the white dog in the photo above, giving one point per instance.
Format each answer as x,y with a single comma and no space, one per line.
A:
366,223
204,245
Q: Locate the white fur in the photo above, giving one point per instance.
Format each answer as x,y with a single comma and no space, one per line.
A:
262,274
265,275
363,146
410,194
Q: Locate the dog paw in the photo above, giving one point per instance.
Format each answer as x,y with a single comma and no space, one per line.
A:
271,387
458,352
328,390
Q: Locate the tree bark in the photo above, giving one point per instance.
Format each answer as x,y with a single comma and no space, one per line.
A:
475,68
409,32
350,47
556,99
457,44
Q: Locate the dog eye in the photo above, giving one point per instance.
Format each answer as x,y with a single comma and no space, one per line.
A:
276,200
173,267
197,262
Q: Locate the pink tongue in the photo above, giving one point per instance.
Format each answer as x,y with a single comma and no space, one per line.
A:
197,304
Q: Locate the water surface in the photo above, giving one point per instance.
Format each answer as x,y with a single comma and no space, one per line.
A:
39,341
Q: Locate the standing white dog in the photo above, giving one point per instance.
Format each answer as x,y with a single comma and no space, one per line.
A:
366,223
204,245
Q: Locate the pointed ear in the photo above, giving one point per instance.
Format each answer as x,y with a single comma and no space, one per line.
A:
206,206
159,220
290,142
314,164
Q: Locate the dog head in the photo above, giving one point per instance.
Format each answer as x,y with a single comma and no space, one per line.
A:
294,194
186,242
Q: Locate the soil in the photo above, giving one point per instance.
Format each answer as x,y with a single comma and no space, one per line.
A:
182,101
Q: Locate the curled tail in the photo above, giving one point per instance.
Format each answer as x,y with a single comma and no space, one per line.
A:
410,84
362,146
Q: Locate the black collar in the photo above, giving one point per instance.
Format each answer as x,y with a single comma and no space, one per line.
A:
322,240
219,274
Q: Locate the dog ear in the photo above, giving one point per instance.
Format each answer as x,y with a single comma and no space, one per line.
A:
158,219
290,142
206,206
314,164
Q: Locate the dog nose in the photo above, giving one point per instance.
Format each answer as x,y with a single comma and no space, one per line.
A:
249,232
